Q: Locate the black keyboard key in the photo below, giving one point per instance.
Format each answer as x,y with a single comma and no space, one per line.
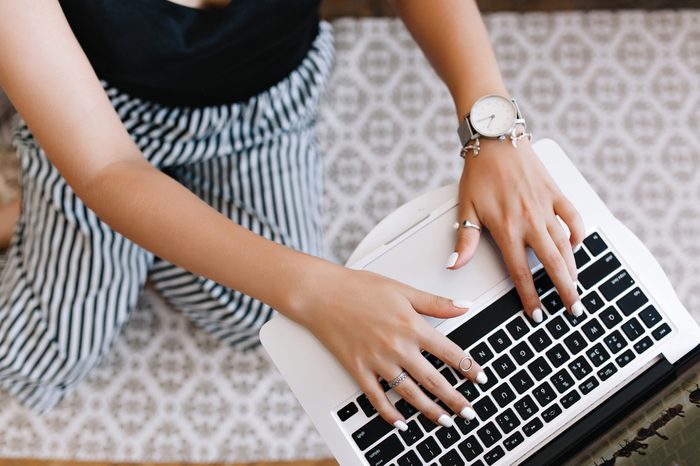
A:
661,331
598,354
428,449
468,390
470,448
593,329
447,436
526,407
498,312
504,366
434,360
552,302
568,400
489,434
491,380
581,257
615,342
539,368
481,353
508,421
540,340
413,434
650,316
606,372
485,408
426,423
551,412
365,405
513,441
595,244
562,381
522,381
518,328
610,317
557,327
632,301
499,340
451,458
409,459
387,450
625,358
371,432
592,302
544,394
542,282
465,425
574,321
580,368
588,385
643,345
633,329
405,408
449,376
598,270
531,427
503,394
575,342
347,411
521,353
494,455
558,355
616,284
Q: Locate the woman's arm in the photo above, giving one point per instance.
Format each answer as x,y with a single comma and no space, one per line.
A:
504,188
370,323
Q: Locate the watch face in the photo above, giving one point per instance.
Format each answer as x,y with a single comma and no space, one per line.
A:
492,115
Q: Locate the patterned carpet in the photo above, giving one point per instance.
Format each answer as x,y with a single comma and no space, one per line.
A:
619,91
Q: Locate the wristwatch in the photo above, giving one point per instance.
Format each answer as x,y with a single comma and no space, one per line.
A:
494,117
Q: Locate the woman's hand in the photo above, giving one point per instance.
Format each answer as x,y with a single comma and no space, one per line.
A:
509,191
373,326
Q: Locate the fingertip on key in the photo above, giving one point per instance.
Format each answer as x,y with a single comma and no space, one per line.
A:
468,413
577,309
446,421
481,378
401,425
537,315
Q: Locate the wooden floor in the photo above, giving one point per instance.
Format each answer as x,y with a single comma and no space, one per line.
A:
7,462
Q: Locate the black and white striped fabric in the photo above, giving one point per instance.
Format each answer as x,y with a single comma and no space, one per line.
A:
70,282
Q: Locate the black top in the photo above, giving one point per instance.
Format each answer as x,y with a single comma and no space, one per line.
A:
176,55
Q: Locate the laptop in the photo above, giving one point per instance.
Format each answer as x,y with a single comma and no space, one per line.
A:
551,386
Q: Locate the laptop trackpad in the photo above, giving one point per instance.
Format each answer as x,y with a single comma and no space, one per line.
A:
419,261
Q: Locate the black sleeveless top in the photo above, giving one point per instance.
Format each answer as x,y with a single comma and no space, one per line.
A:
177,55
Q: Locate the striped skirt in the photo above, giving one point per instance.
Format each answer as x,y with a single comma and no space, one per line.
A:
70,281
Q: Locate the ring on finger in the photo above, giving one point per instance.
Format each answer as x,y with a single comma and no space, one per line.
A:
468,224
396,381
462,364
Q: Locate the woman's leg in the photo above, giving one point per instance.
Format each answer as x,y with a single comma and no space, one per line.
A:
9,214
67,287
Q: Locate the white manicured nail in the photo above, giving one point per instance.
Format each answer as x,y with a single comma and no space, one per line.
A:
463,303
452,260
537,315
468,413
446,421
481,378
401,426
577,308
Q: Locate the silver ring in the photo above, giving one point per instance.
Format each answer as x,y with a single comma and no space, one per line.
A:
468,224
471,363
398,379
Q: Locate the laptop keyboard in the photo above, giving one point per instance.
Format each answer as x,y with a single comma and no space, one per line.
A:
535,371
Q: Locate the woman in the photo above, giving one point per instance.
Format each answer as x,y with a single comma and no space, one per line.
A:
151,125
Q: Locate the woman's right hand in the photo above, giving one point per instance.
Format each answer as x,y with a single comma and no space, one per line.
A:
373,326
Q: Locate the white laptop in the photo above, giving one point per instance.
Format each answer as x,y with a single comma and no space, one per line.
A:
551,386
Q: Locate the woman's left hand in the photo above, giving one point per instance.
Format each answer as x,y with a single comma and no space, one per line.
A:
509,191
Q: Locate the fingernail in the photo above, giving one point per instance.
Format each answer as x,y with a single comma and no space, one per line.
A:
446,421
401,426
537,315
577,308
468,413
481,378
463,303
452,260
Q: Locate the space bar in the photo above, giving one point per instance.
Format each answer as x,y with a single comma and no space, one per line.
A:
489,318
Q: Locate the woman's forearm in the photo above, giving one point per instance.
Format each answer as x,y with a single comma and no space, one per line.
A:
165,218
452,35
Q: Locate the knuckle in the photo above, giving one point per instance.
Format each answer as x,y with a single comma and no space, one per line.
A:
433,381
